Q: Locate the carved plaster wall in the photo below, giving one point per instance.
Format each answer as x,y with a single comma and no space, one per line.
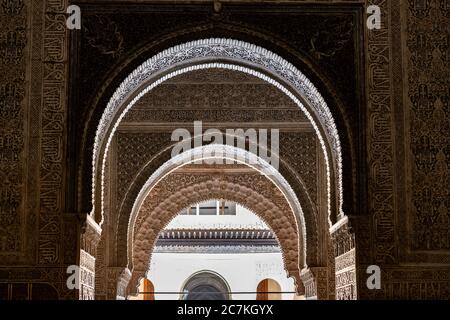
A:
401,116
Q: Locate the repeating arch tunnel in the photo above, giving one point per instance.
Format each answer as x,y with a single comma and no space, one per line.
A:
237,56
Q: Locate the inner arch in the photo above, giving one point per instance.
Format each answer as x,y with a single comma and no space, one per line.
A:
154,218
226,152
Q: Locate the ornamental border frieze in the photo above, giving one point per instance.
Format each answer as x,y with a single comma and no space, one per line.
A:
172,183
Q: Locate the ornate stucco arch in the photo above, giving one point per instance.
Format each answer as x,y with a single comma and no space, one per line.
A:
224,152
153,216
234,55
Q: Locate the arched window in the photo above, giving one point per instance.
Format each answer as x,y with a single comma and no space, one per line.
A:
206,285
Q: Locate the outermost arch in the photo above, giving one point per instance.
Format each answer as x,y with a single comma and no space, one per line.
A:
285,175
236,55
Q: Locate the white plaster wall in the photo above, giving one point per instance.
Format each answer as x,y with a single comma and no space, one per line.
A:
243,272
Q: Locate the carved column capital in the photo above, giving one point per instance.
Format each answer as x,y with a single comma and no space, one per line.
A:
315,280
90,235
